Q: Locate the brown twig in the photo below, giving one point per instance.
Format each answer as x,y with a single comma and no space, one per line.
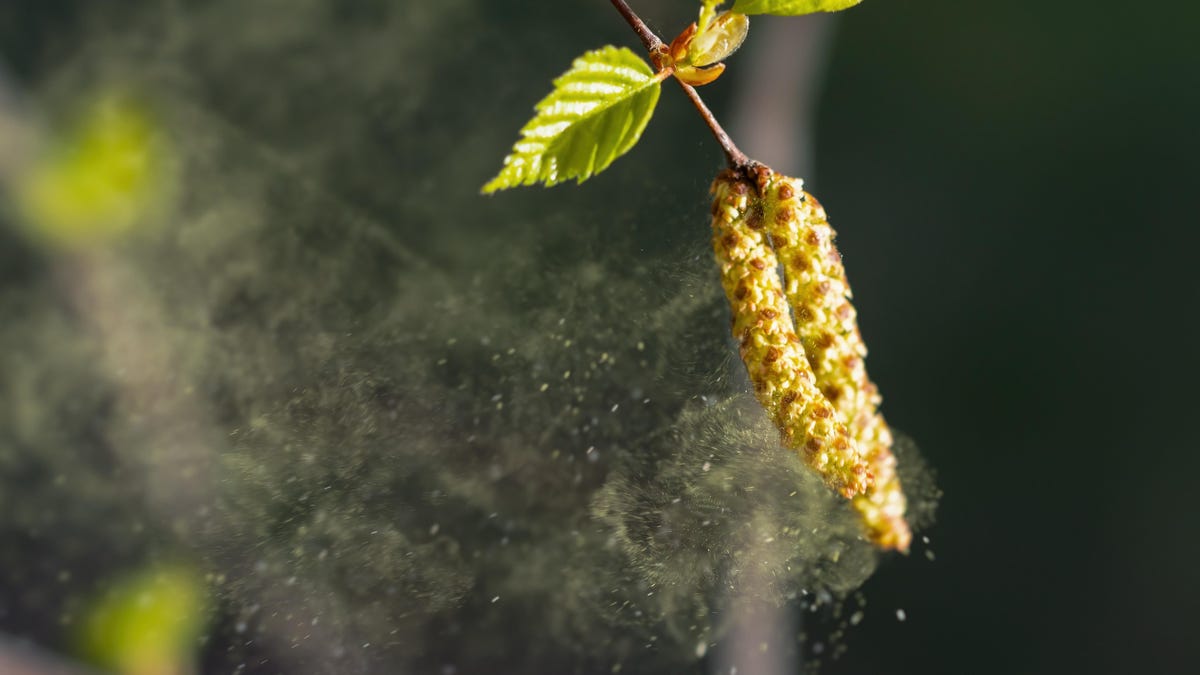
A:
738,160
657,48
652,42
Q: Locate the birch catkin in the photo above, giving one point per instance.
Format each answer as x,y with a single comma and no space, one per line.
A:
818,295
784,382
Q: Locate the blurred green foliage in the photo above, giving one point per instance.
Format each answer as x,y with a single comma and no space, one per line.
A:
148,623
99,179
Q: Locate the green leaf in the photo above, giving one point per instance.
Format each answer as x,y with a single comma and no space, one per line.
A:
595,114
722,37
707,13
790,7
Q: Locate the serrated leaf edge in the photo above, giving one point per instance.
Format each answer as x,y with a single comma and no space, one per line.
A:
540,135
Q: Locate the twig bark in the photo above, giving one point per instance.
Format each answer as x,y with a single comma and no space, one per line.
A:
736,158
657,48
649,39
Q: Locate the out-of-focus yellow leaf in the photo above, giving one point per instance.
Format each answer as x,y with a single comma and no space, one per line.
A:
98,180
148,623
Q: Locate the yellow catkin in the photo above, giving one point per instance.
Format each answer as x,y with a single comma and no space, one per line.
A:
783,380
819,298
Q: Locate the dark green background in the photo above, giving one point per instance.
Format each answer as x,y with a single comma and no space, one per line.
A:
1031,167
1014,187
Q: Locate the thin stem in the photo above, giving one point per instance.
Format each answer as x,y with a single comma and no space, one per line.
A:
736,158
649,39
657,48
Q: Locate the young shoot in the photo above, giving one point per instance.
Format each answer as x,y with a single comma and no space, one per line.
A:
787,290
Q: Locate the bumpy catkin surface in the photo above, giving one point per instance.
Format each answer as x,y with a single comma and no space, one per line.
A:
818,295
801,345
783,380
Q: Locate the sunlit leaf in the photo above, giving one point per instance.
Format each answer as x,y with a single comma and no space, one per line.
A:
791,7
707,12
719,40
698,77
595,114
